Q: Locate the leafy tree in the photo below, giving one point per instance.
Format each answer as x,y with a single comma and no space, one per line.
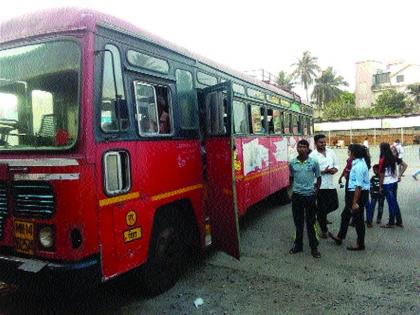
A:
414,91
413,104
327,87
285,80
342,107
306,70
390,102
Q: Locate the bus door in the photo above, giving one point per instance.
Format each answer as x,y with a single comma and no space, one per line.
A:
216,105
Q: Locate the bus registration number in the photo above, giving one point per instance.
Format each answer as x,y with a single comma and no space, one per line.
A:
24,237
132,234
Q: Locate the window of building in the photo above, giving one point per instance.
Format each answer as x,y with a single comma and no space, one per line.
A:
240,117
400,78
114,114
186,99
153,109
138,59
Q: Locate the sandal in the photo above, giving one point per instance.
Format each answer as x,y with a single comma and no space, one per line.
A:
336,239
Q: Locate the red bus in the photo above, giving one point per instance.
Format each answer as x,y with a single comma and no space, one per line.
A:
120,151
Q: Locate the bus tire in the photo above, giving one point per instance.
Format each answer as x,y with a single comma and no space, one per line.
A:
166,255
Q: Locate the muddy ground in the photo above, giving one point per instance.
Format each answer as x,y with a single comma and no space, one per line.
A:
384,279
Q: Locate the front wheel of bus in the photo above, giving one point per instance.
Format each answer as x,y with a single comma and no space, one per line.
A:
166,253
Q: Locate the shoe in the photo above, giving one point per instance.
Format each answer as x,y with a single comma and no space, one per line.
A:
378,222
315,253
399,225
356,248
387,226
415,177
369,225
323,235
295,250
336,239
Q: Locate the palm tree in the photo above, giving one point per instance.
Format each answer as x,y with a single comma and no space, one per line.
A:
327,87
305,70
285,80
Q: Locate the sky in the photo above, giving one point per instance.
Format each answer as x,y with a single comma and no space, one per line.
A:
270,35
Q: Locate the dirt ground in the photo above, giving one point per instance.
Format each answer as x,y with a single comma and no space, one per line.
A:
384,279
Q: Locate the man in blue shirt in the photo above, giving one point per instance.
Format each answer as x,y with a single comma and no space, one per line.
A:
358,195
303,172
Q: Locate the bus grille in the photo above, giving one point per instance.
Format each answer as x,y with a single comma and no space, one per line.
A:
3,208
33,199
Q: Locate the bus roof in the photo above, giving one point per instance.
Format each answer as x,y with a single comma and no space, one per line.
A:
54,21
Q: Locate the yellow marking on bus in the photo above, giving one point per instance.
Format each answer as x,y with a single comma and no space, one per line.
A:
110,201
176,192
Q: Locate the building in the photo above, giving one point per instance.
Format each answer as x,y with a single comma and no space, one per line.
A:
374,77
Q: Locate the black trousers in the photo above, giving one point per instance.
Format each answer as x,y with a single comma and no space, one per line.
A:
327,201
304,206
358,217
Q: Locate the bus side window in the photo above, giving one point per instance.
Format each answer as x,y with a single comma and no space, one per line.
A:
270,121
277,122
240,117
153,111
287,123
256,120
109,111
216,112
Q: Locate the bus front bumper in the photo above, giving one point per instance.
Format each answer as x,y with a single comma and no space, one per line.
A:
22,271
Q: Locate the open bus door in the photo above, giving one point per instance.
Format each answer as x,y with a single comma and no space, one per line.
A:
216,108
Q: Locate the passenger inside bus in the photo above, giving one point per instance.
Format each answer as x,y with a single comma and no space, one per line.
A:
163,110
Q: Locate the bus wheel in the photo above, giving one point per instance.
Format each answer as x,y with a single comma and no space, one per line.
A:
166,254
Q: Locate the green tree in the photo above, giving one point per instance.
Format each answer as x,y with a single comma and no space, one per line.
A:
285,80
340,108
390,102
413,91
328,87
306,70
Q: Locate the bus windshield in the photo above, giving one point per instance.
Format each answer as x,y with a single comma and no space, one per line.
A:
39,96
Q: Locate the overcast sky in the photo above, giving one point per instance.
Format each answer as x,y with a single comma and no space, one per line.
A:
248,35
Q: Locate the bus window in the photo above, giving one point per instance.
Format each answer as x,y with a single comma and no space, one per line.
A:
257,119
300,124
277,121
287,123
240,117
186,99
216,111
295,130
270,123
153,114
109,111
305,123
311,126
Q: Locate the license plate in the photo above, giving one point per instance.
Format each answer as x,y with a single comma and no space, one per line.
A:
131,235
24,237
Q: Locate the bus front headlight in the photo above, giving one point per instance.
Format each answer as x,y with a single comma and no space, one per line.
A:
46,237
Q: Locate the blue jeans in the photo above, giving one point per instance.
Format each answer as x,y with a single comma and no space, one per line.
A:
370,207
390,191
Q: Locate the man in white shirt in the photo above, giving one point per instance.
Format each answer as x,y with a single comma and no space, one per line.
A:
327,199
402,166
